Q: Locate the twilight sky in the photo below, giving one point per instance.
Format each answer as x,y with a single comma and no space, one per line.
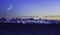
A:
16,8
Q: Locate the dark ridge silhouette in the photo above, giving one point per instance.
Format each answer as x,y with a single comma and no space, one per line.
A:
29,29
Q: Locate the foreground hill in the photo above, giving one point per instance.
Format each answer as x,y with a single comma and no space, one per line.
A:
29,29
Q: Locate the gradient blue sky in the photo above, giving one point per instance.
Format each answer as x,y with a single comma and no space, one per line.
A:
29,8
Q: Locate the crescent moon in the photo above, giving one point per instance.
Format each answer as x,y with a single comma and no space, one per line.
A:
10,7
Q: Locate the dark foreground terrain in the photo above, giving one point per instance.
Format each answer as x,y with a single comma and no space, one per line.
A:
29,29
